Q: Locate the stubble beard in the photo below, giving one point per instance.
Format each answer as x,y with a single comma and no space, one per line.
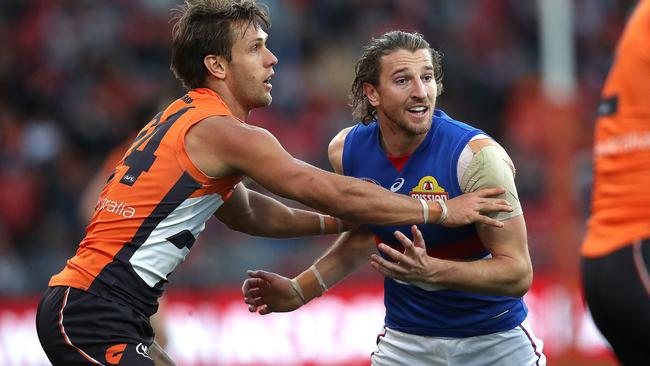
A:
254,95
410,129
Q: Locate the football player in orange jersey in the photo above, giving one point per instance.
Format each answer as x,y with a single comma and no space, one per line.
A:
187,165
616,250
86,208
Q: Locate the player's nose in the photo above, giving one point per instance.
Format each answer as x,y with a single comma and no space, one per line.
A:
271,60
419,89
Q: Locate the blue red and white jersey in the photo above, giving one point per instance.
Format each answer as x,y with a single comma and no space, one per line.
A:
430,173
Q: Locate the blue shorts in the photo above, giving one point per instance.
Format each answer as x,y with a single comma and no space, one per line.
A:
79,328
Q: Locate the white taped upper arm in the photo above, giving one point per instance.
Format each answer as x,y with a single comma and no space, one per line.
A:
492,167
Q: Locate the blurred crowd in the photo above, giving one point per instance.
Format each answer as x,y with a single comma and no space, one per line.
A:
77,77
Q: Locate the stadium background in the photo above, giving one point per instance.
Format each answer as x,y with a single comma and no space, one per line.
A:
77,76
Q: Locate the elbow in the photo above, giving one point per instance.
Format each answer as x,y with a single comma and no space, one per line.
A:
521,284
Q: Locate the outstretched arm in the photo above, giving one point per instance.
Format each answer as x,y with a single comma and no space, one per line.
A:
222,146
267,292
256,214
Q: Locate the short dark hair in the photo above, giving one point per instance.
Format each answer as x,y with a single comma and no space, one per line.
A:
205,27
368,68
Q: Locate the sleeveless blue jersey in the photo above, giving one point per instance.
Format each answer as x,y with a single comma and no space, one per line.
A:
430,173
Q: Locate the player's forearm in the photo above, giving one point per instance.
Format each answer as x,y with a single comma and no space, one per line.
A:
350,251
355,200
294,223
270,218
500,276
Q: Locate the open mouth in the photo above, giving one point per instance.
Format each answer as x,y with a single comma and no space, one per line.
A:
418,110
267,82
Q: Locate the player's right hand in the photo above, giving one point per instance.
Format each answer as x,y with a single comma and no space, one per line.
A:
267,292
471,208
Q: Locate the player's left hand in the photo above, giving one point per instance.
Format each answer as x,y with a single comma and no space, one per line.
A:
268,292
412,265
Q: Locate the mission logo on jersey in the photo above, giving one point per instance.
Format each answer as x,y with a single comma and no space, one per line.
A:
428,189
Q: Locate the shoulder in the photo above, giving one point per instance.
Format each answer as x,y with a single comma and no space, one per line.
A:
225,128
227,136
339,140
490,166
480,143
491,154
335,149
451,125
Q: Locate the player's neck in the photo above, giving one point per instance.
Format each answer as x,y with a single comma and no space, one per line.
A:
396,142
236,108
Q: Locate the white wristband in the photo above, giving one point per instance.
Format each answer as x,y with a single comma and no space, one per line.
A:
425,210
321,282
445,211
321,221
298,290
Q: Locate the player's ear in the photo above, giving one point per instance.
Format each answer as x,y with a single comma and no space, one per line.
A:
371,93
216,66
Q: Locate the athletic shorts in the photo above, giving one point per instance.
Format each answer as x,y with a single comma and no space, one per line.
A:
78,328
617,290
518,346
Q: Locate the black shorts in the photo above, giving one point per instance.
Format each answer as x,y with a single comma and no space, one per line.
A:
78,328
617,290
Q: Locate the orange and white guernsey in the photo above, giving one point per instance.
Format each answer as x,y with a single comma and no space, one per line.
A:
621,201
151,210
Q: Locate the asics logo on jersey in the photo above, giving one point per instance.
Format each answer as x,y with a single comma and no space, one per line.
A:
114,353
118,208
399,182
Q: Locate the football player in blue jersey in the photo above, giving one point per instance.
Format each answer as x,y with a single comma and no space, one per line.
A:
453,296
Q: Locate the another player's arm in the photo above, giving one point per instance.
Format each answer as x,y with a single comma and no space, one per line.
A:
222,146
507,273
267,292
256,214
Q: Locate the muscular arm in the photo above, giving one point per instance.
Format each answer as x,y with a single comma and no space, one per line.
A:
260,215
351,250
222,146
267,292
508,272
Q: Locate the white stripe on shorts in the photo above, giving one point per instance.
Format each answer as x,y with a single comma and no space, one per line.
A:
65,336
